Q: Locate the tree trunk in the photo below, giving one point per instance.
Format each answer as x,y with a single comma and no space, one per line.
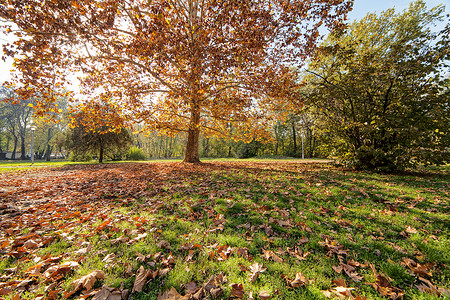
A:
13,155
294,137
310,140
277,139
191,155
23,155
100,156
206,147
49,149
171,142
48,152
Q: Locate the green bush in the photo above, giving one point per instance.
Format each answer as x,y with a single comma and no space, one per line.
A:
247,150
80,157
135,153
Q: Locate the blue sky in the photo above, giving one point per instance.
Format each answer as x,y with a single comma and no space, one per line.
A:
360,9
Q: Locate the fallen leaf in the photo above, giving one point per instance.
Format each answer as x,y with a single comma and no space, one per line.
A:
30,244
190,256
215,292
300,280
172,294
191,287
255,269
263,295
87,282
384,287
163,244
268,254
237,290
108,293
109,258
5,291
141,278
61,270
410,230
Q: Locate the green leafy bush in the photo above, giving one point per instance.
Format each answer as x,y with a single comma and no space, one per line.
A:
80,156
135,153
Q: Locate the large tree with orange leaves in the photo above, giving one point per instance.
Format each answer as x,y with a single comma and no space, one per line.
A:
174,65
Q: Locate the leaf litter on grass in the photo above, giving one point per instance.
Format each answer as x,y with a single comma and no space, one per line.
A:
273,229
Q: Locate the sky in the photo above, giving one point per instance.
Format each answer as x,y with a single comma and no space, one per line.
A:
360,9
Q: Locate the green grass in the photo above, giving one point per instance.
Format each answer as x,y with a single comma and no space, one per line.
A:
378,220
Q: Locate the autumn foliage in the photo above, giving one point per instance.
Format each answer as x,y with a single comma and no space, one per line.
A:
220,67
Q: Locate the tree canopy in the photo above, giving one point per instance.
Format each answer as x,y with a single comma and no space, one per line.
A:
173,65
85,138
381,87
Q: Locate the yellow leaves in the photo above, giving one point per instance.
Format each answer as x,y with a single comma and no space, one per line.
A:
75,4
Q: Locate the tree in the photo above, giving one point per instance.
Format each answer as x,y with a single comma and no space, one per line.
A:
16,113
49,129
86,137
380,89
176,65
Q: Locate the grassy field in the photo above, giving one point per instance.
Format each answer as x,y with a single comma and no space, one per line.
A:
241,229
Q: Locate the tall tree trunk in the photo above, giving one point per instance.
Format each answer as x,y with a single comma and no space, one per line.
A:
191,155
206,147
277,138
48,152
294,137
23,155
49,149
171,150
100,155
311,147
13,155
160,151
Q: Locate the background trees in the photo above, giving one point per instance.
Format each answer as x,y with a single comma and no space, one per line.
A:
379,87
177,66
16,114
85,142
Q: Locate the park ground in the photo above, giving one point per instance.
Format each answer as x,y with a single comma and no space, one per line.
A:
222,229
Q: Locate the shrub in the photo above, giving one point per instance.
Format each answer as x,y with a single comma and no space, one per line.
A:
135,153
80,157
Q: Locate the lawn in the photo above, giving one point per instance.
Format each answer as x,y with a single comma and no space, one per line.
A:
240,229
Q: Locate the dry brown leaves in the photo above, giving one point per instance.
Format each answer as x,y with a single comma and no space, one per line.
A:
51,203
384,287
